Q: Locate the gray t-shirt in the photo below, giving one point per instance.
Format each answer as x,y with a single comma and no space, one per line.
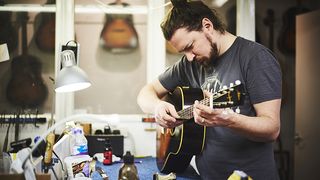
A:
260,73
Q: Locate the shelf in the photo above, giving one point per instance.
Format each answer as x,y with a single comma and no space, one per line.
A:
28,8
23,120
94,9
133,9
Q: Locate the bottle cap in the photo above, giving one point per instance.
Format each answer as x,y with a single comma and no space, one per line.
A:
77,131
36,139
128,158
107,129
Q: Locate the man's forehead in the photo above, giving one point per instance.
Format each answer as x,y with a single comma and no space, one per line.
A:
180,38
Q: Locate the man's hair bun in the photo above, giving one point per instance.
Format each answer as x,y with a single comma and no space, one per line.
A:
179,3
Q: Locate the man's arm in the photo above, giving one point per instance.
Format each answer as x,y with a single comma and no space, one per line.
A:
150,95
149,100
264,127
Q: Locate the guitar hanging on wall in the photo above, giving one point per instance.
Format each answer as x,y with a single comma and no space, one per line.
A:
45,34
26,88
118,33
8,33
175,147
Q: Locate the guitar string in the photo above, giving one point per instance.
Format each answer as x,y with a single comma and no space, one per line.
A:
188,112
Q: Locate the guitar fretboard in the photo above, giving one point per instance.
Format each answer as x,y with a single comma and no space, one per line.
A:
230,101
187,113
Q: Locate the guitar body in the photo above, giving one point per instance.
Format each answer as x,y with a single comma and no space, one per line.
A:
175,147
118,32
45,36
26,87
46,32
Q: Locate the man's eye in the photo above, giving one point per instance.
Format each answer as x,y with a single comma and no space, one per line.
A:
189,47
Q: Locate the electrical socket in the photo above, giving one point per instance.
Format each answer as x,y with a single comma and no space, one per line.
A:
75,49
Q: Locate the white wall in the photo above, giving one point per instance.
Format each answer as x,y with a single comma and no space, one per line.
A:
116,78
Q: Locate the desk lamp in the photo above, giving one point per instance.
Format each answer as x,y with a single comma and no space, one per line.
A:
70,77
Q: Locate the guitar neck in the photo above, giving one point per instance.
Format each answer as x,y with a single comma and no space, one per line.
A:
187,113
223,99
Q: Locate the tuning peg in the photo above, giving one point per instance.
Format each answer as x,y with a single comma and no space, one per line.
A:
224,87
238,82
231,84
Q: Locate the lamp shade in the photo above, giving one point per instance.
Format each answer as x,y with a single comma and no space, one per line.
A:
71,77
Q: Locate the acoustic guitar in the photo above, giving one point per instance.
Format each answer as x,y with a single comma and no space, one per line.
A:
45,34
26,87
8,33
118,33
176,146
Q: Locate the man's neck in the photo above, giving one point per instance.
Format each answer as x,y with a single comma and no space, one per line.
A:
226,40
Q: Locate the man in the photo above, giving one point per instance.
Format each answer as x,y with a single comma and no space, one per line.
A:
212,59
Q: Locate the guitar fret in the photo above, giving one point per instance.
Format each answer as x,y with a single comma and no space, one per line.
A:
229,98
188,112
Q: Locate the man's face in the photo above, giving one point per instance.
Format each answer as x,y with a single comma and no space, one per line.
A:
196,45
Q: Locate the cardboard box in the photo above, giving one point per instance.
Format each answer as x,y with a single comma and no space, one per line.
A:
21,176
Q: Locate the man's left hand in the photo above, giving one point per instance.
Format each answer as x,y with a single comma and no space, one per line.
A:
206,116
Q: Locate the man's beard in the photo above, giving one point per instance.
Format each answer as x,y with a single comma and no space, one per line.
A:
214,54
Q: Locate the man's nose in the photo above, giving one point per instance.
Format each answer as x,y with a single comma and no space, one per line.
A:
190,56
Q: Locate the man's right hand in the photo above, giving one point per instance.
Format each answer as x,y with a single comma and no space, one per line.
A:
166,115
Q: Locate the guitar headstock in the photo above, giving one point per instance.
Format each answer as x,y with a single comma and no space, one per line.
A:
228,96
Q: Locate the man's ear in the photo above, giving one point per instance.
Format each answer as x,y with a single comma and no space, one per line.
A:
207,24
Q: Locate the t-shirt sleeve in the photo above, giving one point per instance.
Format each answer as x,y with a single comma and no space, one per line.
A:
173,76
263,77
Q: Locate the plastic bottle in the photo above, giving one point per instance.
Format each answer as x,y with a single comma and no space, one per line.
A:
128,169
79,143
107,154
5,163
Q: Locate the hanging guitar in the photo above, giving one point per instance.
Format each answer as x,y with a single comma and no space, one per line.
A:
118,33
45,36
26,88
8,33
176,146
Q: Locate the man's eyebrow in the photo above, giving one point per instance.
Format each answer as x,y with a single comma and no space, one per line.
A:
186,47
